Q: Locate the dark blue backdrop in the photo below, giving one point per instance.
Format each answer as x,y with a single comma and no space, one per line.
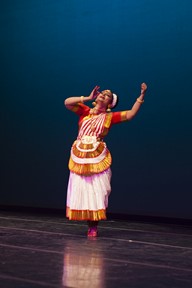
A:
51,50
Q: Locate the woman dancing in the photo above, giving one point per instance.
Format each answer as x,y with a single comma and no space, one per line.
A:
90,160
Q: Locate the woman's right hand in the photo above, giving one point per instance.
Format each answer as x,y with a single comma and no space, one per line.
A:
94,93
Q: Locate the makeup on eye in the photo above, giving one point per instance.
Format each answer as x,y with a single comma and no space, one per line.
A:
106,93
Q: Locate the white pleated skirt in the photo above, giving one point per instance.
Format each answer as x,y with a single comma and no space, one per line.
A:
87,196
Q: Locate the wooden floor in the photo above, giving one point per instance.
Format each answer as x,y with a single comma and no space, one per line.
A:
40,250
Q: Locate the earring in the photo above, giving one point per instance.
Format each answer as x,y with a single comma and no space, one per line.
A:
94,103
109,108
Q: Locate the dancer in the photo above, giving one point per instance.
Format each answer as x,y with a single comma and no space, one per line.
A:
90,160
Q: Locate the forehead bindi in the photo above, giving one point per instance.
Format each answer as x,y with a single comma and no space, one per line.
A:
107,92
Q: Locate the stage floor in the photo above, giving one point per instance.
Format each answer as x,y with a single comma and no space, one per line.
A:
40,250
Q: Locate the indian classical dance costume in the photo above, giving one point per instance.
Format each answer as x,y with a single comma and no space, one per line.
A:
89,164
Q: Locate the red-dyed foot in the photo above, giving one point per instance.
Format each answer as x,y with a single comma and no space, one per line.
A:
92,232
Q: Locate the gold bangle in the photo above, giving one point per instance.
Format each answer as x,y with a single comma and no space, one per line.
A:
140,101
82,99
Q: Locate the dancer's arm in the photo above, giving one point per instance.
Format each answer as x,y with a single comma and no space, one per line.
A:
136,106
72,101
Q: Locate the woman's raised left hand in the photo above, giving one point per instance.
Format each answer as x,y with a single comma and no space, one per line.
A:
143,88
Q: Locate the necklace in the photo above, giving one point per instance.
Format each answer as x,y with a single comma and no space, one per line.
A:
96,111
93,113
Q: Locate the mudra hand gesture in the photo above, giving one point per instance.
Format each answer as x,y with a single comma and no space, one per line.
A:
95,92
143,88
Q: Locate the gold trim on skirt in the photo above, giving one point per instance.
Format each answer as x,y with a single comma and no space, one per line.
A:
91,168
87,153
82,215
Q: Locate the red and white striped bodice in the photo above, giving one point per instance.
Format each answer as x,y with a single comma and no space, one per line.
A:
92,126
